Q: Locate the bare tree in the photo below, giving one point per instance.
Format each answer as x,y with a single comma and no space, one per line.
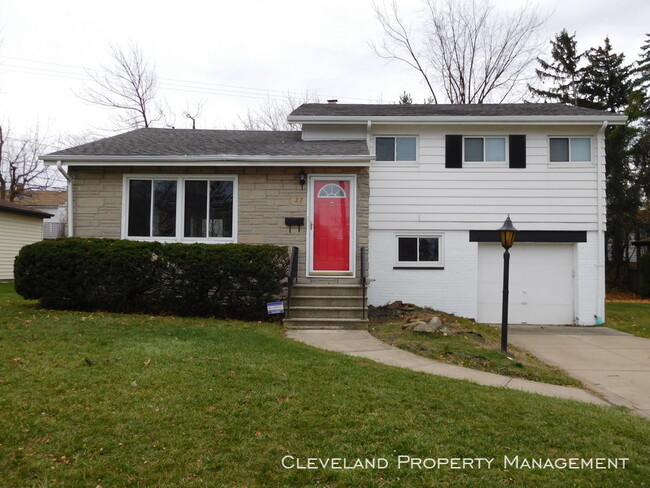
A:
272,113
129,85
20,168
463,49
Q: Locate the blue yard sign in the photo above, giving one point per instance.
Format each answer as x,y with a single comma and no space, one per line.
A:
275,307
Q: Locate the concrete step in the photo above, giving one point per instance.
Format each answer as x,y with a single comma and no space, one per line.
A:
315,323
331,312
326,290
326,301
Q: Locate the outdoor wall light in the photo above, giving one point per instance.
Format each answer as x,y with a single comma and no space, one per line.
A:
507,234
302,178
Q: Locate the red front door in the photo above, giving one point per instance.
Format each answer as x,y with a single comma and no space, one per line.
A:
331,238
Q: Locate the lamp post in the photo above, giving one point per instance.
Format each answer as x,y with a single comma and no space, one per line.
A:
507,233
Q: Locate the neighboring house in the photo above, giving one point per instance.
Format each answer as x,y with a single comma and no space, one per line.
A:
53,202
19,226
422,187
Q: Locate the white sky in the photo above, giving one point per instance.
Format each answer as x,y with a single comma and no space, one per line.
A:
231,55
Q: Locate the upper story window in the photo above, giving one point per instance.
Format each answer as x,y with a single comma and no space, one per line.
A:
484,149
569,149
395,148
180,208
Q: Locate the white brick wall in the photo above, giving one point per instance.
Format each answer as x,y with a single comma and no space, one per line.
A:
452,289
588,274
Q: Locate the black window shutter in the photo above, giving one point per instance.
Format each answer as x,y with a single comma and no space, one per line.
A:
517,151
453,151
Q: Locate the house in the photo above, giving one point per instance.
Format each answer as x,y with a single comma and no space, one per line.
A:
421,188
53,202
19,226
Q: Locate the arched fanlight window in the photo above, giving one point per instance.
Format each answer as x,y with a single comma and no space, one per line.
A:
331,190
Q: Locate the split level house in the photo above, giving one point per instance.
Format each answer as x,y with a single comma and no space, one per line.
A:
407,196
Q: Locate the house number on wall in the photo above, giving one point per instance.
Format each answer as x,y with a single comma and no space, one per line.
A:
297,200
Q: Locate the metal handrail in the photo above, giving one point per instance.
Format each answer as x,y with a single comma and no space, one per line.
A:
293,276
364,279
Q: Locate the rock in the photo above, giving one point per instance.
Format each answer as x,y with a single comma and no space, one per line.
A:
424,327
395,305
445,331
436,322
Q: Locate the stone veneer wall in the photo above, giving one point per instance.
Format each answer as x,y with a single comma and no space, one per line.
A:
266,197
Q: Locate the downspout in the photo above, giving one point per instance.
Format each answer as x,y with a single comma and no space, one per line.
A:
600,264
369,135
65,174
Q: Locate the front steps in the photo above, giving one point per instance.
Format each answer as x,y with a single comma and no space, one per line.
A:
326,306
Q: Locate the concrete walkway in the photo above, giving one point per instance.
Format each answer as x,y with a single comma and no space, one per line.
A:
361,343
613,363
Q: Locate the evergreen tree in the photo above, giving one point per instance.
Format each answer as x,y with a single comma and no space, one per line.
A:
607,83
405,99
642,69
563,73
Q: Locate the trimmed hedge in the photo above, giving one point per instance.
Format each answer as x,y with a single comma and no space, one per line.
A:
226,281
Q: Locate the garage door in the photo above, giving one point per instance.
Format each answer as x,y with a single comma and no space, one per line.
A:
541,283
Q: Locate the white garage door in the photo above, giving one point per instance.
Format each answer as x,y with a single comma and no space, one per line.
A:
541,283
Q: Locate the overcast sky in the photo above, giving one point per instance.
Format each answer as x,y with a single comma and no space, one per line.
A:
231,55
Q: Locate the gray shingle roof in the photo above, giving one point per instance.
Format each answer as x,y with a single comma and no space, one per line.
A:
477,110
189,142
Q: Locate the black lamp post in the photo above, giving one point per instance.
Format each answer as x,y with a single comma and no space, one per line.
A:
507,233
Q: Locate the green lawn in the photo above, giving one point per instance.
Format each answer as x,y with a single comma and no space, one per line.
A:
633,318
112,400
472,345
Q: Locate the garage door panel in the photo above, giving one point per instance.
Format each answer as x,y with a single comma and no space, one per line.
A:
541,283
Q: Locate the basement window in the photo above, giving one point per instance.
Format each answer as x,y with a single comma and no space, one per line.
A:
419,251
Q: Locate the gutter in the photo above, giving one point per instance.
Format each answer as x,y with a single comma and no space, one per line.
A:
69,217
207,160
600,266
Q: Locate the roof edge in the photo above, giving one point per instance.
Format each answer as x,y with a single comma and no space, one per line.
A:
26,211
614,119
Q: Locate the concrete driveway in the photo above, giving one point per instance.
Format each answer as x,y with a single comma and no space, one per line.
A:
613,363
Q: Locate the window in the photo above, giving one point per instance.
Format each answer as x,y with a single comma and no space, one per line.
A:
419,250
180,208
395,148
569,149
331,190
485,149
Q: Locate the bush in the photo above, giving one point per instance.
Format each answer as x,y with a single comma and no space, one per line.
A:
644,269
226,281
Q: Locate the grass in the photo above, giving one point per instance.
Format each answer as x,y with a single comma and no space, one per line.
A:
137,401
633,318
469,344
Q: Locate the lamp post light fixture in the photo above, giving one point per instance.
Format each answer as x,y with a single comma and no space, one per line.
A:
507,234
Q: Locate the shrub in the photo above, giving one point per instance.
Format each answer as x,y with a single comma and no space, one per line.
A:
226,281
644,269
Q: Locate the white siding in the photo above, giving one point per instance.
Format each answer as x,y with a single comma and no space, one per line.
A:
425,197
542,196
320,132
16,231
